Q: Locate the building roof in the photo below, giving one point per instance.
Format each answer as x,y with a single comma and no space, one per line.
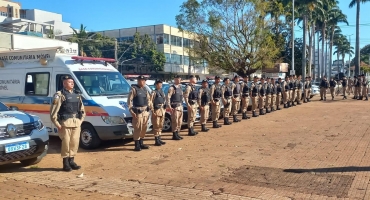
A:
21,21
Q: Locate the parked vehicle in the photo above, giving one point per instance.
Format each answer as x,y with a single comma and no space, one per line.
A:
23,137
32,77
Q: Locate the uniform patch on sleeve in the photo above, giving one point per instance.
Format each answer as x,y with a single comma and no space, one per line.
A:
56,98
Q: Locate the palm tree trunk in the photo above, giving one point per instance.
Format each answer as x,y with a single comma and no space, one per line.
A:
357,60
304,57
323,48
318,58
311,49
338,64
343,55
331,49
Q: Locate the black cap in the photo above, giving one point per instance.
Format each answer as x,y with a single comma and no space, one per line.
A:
67,77
362,74
262,78
255,77
225,79
246,76
176,76
191,76
158,81
236,76
354,76
309,77
271,78
216,77
279,78
205,81
141,77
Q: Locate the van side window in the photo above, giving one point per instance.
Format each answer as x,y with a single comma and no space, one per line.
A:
37,84
59,82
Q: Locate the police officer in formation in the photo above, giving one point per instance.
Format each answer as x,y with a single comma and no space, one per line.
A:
216,95
299,86
306,88
174,103
365,89
245,97
273,94
236,87
345,84
191,100
357,85
262,96
255,96
324,85
203,102
67,113
293,87
309,86
158,100
227,95
268,95
286,92
279,91
139,104
332,85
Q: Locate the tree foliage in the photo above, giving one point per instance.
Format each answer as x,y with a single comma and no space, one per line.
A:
232,35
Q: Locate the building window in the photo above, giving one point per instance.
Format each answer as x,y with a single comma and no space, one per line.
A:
176,59
129,39
37,84
176,41
186,42
166,39
168,57
205,63
160,39
186,60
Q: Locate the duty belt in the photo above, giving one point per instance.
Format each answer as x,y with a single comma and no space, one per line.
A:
175,105
227,97
216,99
139,110
245,94
158,106
236,95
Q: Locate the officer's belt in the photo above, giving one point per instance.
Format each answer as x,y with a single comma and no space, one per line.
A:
139,110
228,97
216,99
69,115
158,106
175,105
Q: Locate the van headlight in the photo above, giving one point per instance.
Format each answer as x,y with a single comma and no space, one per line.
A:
113,120
38,125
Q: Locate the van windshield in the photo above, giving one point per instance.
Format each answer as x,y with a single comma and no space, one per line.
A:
3,107
103,83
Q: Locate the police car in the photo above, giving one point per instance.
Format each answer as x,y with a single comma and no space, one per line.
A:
23,137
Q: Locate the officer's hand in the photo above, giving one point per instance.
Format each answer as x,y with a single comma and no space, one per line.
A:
59,128
201,107
134,115
154,114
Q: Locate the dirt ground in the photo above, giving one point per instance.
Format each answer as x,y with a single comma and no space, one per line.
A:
318,150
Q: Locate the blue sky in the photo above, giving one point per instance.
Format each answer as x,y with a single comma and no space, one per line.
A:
114,14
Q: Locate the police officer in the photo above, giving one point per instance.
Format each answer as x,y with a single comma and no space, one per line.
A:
174,104
158,99
309,88
245,97
67,113
306,90
299,86
139,104
236,86
254,95
286,93
293,88
273,94
203,102
191,100
344,86
332,84
268,95
356,84
324,85
279,90
364,88
227,94
262,96
216,95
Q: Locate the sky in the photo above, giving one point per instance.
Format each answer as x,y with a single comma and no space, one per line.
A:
114,14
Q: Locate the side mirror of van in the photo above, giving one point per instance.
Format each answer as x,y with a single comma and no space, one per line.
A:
13,108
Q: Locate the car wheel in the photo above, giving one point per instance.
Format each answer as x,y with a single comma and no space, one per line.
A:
34,161
89,139
167,123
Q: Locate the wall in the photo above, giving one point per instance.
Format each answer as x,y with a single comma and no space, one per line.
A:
42,16
5,41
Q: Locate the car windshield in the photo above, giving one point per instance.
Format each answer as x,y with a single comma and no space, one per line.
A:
3,107
103,83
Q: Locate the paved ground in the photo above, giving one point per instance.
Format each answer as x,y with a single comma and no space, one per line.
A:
318,150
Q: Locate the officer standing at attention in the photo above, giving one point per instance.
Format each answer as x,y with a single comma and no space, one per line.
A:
324,85
203,103
299,86
356,84
332,84
344,87
273,94
174,103
293,88
245,97
216,95
139,104
286,93
279,90
227,94
158,99
306,90
67,113
268,95
262,96
236,86
254,94
191,99
364,88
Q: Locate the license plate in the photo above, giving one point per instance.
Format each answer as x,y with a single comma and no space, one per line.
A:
17,147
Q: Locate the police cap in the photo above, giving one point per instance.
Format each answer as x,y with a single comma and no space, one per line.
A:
217,77
204,81
176,76
67,77
141,77
225,79
158,81
362,74
255,77
262,78
354,76
236,76
191,76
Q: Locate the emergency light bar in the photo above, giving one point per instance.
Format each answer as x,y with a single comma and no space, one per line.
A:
81,58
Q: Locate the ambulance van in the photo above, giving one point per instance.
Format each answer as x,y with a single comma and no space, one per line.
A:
30,78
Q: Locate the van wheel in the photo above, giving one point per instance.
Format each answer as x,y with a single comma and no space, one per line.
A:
167,123
89,139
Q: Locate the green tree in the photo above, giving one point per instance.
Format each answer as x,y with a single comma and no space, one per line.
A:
232,35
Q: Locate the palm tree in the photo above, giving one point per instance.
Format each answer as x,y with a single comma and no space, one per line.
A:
357,51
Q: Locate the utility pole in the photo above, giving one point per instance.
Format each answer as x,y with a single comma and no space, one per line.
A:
116,52
293,40
349,64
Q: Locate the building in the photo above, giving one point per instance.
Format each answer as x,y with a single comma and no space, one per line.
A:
169,40
318,61
14,19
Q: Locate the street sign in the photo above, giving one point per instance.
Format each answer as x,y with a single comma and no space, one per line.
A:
292,72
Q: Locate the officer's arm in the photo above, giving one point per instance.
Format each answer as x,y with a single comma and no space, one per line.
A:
130,97
199,96
150,104
212,91
82,109
223,91
232,90
169,94
186,94
152,97
54,109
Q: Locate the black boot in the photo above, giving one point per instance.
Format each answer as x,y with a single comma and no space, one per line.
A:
73,165
236,118
190,132
254,114
160,140
273,109
142,145
289,105
66,165
324,98
216,125
285,105
261,112
278,108
366,99
354,97
299,103
308,100
245,116
204,129
226,121
304,100
268,110
321,99
175,136
192,129
293,104
137,145
157,141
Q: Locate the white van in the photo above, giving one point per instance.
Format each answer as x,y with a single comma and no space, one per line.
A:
30,78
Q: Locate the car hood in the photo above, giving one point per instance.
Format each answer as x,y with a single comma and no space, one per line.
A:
16,117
